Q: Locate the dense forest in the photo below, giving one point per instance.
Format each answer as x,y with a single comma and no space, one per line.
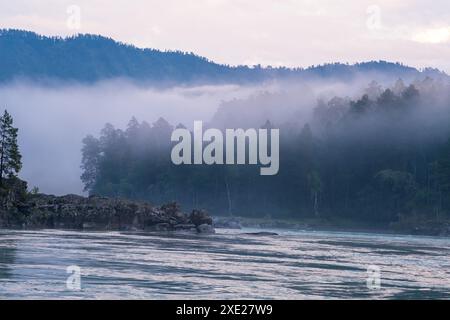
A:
376,158
89,58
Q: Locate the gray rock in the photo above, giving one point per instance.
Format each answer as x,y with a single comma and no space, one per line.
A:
206,229
161,227
199,217
186,226
20,209
262,233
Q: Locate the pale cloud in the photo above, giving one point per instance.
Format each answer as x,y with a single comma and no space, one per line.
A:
277,32
436,35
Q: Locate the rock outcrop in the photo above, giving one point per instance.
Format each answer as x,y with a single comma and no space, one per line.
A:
227,223
21,210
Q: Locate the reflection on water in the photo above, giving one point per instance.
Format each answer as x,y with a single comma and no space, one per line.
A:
293,265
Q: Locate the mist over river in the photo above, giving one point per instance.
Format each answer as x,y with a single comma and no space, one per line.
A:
229,264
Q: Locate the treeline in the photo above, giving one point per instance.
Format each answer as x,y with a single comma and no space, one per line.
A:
89,58
383,156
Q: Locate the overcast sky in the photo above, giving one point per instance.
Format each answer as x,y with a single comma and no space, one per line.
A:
269,32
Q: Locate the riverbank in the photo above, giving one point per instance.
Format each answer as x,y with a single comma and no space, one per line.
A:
22,210
414,225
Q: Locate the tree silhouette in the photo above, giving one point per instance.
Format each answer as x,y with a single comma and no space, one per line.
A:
10,157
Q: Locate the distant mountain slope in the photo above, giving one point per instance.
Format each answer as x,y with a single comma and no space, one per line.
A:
88,58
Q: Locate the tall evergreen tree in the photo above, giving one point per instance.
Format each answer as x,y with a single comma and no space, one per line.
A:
10,157
90,162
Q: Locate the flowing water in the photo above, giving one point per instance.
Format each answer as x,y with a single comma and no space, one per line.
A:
227,265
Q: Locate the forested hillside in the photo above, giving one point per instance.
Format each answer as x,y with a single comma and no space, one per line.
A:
375,158
89,58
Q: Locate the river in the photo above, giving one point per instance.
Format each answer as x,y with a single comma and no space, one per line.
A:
227,265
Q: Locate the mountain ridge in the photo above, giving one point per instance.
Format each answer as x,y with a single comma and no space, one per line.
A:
91,58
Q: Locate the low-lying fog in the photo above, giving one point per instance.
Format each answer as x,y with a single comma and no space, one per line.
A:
52,120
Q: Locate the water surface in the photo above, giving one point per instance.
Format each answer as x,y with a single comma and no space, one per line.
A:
227,265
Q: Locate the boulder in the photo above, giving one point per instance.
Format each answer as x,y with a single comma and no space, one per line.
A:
205,229
199,217
161,227
262,233
187,226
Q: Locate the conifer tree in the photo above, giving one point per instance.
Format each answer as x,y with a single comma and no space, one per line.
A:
10,157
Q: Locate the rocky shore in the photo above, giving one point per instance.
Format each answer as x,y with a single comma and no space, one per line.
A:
19,209
414,225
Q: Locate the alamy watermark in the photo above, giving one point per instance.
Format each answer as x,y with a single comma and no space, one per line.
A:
262,145
373,280
373,21
73,281
74,17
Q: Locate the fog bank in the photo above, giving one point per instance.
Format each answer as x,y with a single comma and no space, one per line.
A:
52,121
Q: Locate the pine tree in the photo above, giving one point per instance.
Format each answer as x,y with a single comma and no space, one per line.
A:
90,162
10,157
